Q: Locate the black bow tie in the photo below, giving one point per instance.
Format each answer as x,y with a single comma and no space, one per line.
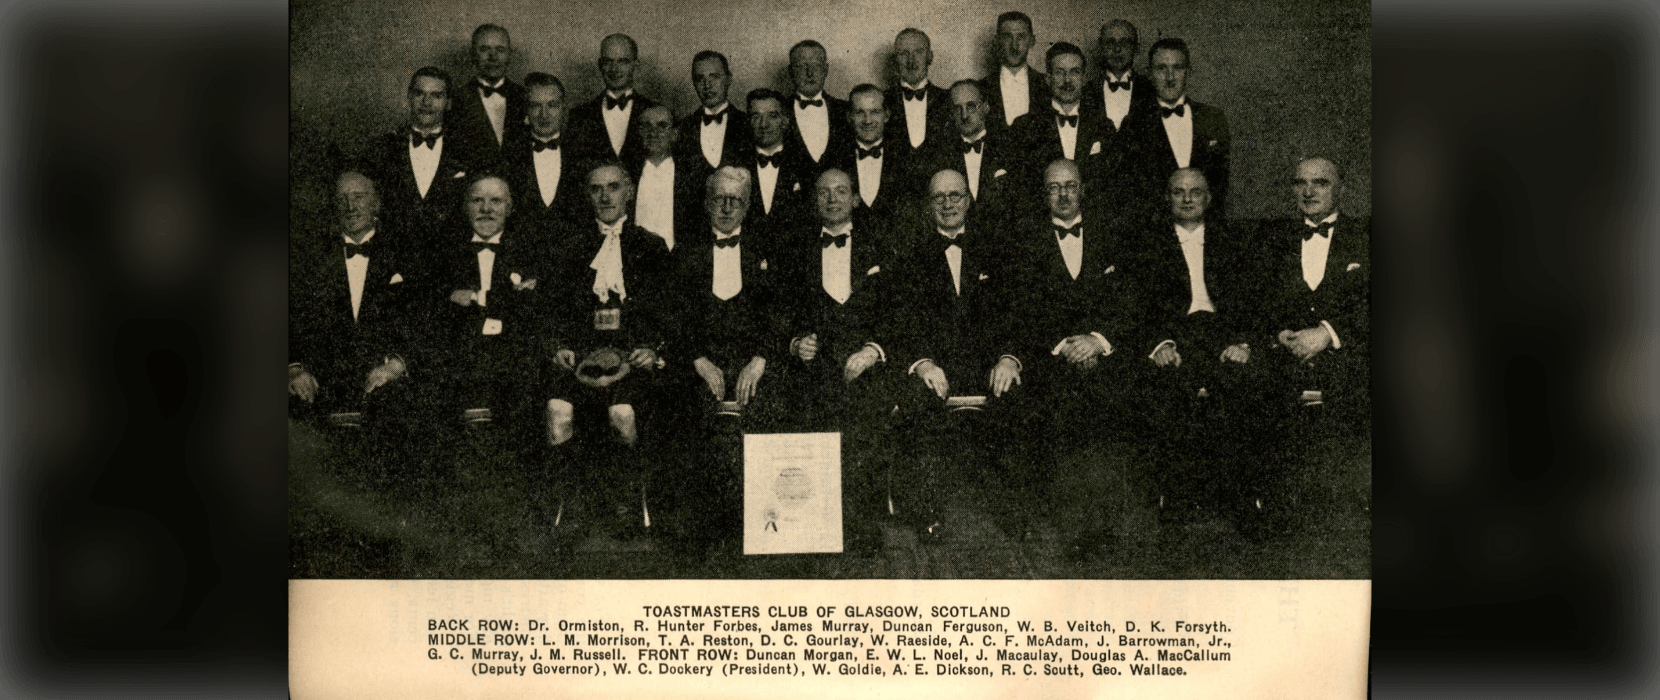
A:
872,152
716,118
1066,120
417,139
1177,111
978,146
356,248
1116,85
825,239
948,241
1064,232
731,242
488,91
538,145
1323,229
763,160
480,246
918,94
618,102
804,103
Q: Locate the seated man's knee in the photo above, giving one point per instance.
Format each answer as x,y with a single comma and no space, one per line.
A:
622,419
560,415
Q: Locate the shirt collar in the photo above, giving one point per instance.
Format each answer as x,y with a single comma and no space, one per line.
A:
493,240
1179,102
860,145
846,227
717,110
1198,232
667,164
815,96
549,139
1330,218
1068,224
497,86
366,237
1015,74
1128,74
723,236
918,86
1062,110
976,137
439,132
618,96
774,151
952,235
605,230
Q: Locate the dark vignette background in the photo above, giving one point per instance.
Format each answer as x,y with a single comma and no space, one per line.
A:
143,258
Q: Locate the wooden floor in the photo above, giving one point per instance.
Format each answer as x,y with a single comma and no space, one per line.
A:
469,518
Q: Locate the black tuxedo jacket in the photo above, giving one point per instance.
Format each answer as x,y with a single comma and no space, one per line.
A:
646,275
842,328
841,130
467,115
792,198
689,217
570,203
1343,298
1211,152
937,117
336,348
727,332
1143,96
739,141
424,219
962,332
1008,191
991,90
587,137
897,192
455,334
1094,152
1164,292
1047,304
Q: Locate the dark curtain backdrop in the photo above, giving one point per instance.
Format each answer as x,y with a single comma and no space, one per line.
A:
1295,77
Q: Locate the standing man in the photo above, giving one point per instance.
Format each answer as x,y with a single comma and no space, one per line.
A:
819,120
990,161
603,128
491,109
422,168
782,174
881,167
1124,99
666,191
1065,128
537,166
1121,88
921,110
1186,133
1015,89
716,133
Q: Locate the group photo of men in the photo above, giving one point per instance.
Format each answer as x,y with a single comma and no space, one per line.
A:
1068,319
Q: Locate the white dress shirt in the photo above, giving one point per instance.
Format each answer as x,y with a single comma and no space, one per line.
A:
1316,251
1016,87
954,258
767,177
1118,102
655,200
1193,251
814,123
608,263
425,161
357,271
1069,132
971,164
836,265
712,137
729,269
495,107
1179,131
549,165
616,120
870,174
1072,247
486,264
916,113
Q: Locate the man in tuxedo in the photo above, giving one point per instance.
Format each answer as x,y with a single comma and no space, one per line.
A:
989,160
880,167
603,128
666,190
1185,133
830,285
1015,89
1124,101
818,120
717,133
921,110
948,331
782,174
535,163
1067,127
604,335
491,109
422,168
1121,88
350,299
489,279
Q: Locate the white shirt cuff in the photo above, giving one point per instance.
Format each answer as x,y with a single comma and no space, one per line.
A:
292,365
912,370
1159,347
880,356
1017,363
1335,343
1104,343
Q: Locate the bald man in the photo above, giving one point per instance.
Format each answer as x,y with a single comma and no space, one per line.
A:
491,107
604,127
920,110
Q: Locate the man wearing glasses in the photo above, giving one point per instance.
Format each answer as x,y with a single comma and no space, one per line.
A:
666,193
989,160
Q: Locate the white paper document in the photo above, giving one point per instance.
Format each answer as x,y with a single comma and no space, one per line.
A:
793,493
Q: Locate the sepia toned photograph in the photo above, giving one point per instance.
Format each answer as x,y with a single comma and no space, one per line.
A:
847,290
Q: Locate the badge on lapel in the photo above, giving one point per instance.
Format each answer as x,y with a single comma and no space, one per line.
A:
984,277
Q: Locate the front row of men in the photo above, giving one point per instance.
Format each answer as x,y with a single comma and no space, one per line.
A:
1069,329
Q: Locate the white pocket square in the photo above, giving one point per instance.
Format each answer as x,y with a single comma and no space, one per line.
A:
873,270
763,264
396,278
1212,142
1352,267
1000,173
797,187
459,175
1095,149
983,277
1109,270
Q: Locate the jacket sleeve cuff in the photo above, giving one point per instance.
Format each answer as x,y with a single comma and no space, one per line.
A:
1335,343
1159,347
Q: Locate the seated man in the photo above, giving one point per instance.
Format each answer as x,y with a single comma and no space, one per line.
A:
350,298
947,329
604,335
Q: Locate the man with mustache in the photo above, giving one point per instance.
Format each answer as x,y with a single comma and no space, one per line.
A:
491,108
992,162
1184,133
1068,126
603,128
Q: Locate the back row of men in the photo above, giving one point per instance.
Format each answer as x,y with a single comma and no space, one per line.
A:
1126,133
